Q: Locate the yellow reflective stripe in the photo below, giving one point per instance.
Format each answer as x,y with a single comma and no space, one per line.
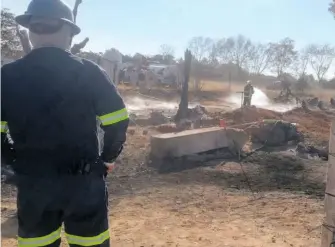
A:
40,241
4,127
114,117
88,241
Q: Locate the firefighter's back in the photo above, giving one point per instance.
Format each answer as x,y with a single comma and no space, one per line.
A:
47,102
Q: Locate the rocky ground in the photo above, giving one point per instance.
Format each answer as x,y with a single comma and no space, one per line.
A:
271,198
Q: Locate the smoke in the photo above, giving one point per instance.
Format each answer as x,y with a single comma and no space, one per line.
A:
139,104
259,99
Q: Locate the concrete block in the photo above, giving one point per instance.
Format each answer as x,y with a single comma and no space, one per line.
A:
188,142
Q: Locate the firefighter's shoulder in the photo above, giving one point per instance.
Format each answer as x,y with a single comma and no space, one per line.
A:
89,64
9,72
10,67
97,71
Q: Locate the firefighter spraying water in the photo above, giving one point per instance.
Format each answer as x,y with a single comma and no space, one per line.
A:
247,93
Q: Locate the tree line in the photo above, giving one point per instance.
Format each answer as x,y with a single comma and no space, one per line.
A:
253,57
257,58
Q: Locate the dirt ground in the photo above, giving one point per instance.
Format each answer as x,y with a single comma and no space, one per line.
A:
271,199
278,202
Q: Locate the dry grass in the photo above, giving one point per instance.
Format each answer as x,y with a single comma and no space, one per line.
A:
223,86
218,86
321,93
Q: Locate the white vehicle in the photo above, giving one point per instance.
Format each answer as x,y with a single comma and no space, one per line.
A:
167,74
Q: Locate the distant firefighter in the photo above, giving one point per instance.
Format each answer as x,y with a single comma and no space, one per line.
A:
247,93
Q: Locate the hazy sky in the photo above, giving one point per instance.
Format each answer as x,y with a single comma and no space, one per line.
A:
143,25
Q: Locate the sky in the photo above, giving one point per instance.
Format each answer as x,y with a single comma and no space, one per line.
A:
143,26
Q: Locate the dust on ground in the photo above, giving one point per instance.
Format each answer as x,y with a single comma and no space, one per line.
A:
271,199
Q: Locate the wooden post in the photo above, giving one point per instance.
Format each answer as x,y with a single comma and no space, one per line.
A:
328,229
183,105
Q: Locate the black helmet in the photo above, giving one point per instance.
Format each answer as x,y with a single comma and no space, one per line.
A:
55,9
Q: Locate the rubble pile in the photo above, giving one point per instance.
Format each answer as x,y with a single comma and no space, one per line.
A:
246,115
306,151
197,117
197,112
166,128
313,124
313,101
274,132
317,103
157,118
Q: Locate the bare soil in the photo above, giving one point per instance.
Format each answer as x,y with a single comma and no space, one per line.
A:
270,199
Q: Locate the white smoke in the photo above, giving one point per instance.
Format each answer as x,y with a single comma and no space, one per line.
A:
259,99
138,104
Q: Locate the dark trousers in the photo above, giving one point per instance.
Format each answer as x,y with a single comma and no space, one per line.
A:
80,202
247,100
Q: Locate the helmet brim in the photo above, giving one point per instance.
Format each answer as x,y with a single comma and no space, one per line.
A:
24,20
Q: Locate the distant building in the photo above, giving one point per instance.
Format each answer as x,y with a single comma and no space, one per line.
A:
111,62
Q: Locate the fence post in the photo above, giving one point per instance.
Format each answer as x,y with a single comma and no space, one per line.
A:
328,228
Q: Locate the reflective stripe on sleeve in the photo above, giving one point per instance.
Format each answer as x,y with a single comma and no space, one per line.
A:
4,127
40,241
114,117
88,241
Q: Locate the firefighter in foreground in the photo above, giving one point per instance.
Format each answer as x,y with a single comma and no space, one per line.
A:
52,104
247,94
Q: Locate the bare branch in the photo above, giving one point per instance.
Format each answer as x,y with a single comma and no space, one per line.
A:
24,39
322,56
259,59
301,64
223,51
332,8
284,54
166,50
167,53
75,9
75,49
237,50
200,47
214,54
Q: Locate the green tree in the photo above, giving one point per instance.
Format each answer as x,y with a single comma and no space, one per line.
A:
10,42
